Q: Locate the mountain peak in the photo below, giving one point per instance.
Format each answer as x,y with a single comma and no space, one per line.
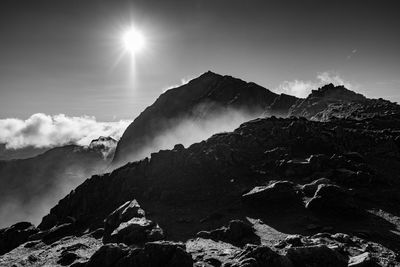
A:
332,92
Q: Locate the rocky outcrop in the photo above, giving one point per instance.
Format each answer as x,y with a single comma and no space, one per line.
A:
331,102
15,235
278,193
334,200
154,254
237,233
318,255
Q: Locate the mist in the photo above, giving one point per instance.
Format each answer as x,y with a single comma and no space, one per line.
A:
38,188
190,130
31,187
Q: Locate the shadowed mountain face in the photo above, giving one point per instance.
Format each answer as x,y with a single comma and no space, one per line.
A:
208,104
29,187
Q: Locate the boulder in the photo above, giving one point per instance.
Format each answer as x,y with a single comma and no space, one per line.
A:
276,194
15,235
334,200
310,188
316,256
124,213
135,231
362,260
108,255
67,258
237,233
57,232
128,225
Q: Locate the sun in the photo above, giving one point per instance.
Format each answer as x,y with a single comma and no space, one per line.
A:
133,40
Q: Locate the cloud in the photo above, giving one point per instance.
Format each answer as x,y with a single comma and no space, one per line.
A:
301,88
41,130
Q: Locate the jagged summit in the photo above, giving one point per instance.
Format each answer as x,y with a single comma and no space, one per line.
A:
201,98
331,102
332,92
103,141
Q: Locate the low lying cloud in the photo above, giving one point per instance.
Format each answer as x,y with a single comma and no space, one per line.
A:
302,88
41,130
190,130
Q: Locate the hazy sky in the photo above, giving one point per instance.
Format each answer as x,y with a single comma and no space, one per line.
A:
65,56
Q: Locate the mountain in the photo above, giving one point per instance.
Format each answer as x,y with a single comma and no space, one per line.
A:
31,186
295,190
317,186
330,102
210,97
20,153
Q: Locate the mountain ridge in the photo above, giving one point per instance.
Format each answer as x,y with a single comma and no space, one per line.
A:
316,188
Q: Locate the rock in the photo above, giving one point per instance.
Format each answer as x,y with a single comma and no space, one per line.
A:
334,200
67,258
318,162
276,194
15,235
237,233
128,225
344,238
135,231
275,154
294,240
157,254
316,256
295,168
98,233
58,232
309,189
261,256
127,211
108,255
362,260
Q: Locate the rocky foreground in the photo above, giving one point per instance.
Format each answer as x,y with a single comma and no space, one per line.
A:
275,192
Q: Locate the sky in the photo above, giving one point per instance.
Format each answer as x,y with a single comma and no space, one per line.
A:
66,57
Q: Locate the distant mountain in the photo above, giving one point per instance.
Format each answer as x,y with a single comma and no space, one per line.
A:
30,186
20,153
201,99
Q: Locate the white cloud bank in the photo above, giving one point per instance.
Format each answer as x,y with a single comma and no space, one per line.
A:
41,130
302,88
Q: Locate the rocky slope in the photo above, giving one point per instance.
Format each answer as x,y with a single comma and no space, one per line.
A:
31,186
279,192
314,191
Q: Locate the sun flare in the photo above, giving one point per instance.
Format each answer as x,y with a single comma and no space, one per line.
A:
133,41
